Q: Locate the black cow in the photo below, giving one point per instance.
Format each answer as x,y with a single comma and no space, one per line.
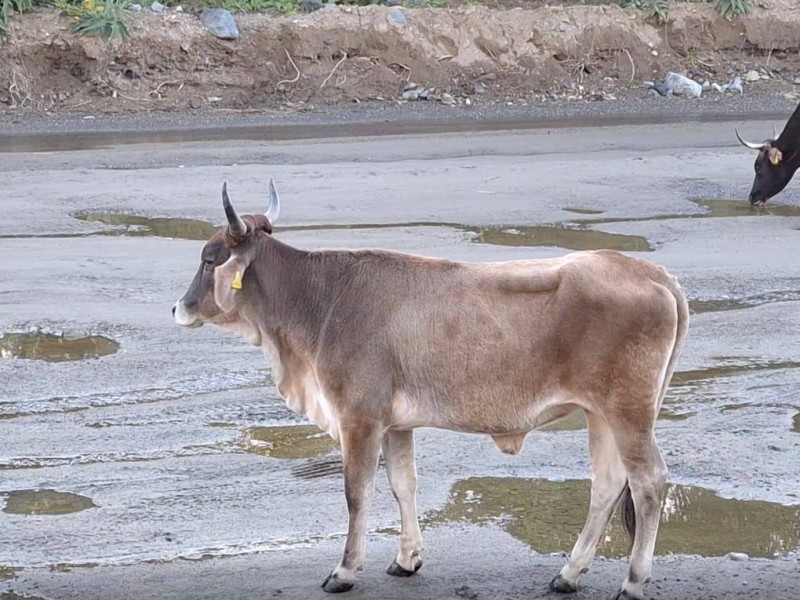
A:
776,162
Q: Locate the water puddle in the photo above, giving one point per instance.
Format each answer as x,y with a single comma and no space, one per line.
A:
575,234
288,441
45,502
569,236
54,348
730,368
166,227
583,211
725,304
8,573
548,516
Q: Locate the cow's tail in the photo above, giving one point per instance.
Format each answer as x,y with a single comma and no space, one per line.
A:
628,513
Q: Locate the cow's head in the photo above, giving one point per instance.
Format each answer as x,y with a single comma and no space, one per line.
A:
213,295
777,161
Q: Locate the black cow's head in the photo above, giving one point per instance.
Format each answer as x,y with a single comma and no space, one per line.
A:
777,161
213,294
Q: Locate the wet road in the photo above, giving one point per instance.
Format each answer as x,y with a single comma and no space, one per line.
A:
163,468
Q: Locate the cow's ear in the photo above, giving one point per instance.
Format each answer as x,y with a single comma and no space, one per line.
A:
775,156
228,281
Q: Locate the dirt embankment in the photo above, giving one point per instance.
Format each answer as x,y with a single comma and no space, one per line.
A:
343,54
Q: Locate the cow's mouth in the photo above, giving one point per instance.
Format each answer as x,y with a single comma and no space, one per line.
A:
184,318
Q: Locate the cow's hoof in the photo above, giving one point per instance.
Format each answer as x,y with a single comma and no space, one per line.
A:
397,571
624,595
562,586
334,585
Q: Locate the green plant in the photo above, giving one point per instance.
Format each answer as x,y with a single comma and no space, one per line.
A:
656,9
102,18
732,8
6,8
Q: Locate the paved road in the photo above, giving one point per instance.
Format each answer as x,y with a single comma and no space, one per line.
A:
162,443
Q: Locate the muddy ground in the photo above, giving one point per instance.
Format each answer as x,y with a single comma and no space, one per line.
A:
355,55
163,468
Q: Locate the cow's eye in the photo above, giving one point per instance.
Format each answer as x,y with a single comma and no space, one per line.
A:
208,263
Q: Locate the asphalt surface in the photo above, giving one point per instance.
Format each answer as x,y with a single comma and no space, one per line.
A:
183,502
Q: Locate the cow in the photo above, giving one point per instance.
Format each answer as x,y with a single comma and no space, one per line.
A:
371,344
777,161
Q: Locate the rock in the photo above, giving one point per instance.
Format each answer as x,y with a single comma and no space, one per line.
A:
751,76
706,85
157,7
220,22
179,8
412,94
737,556
681,85
410,85
466,592
423,95
658,88
309,6
796,81
736,85
447,98
135,8
398,17
719,88
478,89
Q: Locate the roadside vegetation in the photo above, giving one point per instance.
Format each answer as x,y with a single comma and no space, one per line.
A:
108,18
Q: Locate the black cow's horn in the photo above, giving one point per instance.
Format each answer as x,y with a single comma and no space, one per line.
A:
751,145
236,226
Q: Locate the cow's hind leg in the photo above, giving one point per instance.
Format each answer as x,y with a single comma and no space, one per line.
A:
361,445
647,481
608,482
398,452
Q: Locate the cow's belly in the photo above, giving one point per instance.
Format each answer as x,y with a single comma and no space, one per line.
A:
494,414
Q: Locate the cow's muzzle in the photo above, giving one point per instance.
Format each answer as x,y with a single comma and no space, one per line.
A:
184,316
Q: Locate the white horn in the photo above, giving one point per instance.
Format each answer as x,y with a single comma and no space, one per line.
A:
274,208
750,145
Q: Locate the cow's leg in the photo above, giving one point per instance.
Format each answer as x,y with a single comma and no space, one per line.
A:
608,482
361,443
398,452
647,478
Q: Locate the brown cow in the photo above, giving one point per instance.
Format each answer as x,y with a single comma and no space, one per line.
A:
370,344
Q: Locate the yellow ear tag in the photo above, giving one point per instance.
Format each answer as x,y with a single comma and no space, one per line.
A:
236,284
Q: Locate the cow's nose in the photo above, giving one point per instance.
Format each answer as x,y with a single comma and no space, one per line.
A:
173,311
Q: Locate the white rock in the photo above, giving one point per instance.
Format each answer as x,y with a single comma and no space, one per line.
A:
752,76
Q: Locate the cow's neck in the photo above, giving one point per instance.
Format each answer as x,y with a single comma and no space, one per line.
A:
296,290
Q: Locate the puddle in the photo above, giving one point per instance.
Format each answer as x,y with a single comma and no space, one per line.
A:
54,348
571,237
725,304
45,502
8,573
288,441
548,516
166,227
684,378
583,211
321,467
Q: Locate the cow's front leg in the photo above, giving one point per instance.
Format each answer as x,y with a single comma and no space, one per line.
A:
398,452
361,444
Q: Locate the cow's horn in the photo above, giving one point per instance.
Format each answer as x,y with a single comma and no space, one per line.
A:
236,226
751,145
274,208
